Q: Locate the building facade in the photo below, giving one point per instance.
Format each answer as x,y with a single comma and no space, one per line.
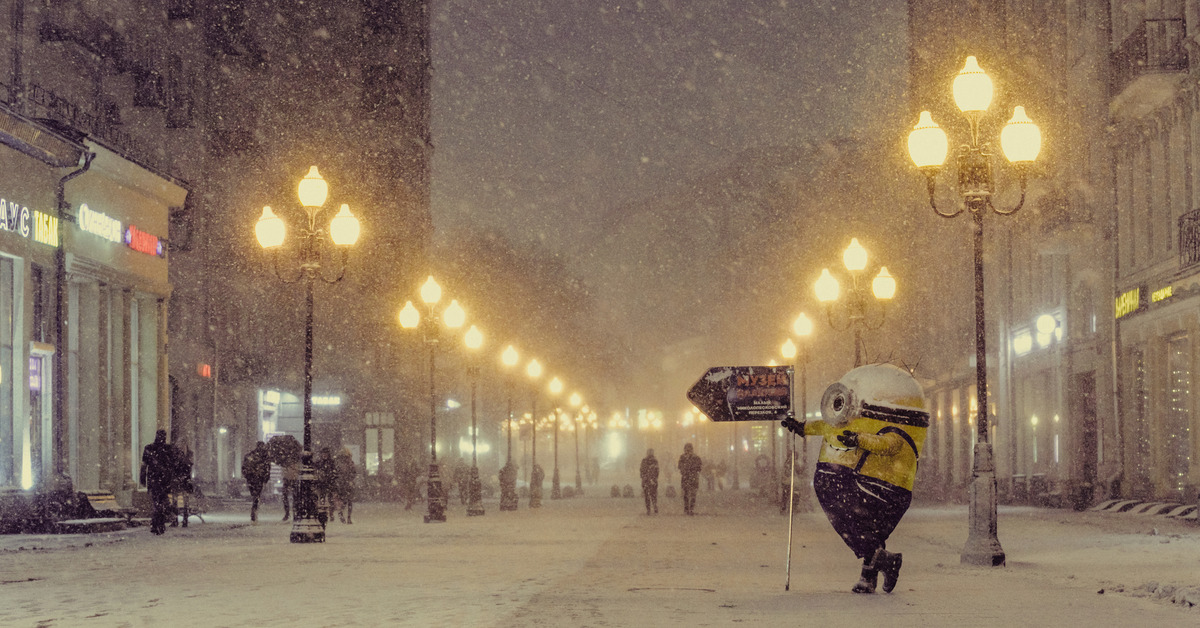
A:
177,121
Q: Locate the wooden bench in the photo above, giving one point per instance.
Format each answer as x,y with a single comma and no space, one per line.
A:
105,500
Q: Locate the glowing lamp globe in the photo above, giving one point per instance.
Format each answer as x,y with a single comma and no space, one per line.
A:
827,287
972,88
269,230
927,143
1021,139
344,227
884,285
313,190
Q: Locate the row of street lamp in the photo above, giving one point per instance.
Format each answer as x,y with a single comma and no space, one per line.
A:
342,232
928,147
454,317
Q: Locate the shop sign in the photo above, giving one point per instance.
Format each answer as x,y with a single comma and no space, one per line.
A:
29,223
143,242
1162,294
1130,302
100,224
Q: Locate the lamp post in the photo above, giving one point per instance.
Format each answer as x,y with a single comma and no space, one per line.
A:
508,475
474,340
1021,142
575,402
410,318
883,287
534,371
343,232
556,387
802,327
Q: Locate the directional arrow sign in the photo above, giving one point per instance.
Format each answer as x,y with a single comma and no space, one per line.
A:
744,393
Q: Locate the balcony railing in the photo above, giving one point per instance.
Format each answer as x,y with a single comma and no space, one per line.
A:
1189,239
1154,47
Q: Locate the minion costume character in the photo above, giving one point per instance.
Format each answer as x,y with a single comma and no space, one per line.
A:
874,426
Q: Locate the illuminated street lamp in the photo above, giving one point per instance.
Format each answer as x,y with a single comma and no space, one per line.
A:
534,371
343,231
474,340
575,402
508,475
1021,141
556,387
858,310
453,317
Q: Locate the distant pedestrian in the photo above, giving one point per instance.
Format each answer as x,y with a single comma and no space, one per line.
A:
286,452
180,503
324,484
689,478
256,468
156,474
650,481
344,485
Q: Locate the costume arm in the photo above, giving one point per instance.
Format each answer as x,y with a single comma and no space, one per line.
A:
818,428
887,444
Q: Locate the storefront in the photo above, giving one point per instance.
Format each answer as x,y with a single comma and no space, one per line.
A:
1158,325
116,304
33,160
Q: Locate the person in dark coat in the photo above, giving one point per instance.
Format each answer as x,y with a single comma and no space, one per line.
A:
325,483
343,493
689,478
256,468
157,474
650,481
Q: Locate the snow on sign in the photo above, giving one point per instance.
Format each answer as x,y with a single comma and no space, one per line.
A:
744,393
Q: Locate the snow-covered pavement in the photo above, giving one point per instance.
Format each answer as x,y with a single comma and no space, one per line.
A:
599,561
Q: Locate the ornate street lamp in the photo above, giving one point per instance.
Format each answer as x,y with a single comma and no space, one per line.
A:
556,387
1021,141
474,340
453,317
575,401
343,231
858,310
534,371
508,475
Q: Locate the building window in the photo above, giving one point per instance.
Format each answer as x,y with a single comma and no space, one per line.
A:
8,465
1178,415
181,9
383,17
179,98
147,88
383,87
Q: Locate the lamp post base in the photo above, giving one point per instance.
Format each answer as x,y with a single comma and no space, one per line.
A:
437,498
307,530
983,546
307,526
555,486
474,494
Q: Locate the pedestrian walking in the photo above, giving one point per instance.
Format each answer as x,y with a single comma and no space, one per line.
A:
180,501
650,481
156,474
344,487
689,478
874,426
256,469
324,483
286,452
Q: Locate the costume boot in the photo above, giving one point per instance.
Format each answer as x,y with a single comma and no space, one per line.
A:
889,563
866,581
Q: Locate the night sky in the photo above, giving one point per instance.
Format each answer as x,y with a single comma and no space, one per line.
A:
548,114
